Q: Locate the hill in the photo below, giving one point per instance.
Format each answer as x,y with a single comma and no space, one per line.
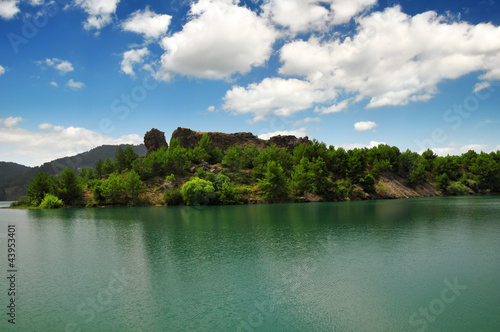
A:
13,184
8,170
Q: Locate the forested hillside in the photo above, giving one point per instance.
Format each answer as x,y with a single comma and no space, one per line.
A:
312,172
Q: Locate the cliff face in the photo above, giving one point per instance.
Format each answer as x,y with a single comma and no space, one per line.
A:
154,139
189,139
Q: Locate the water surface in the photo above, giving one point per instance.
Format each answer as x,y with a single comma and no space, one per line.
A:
349,266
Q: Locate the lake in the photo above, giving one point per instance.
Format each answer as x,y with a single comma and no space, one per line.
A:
430,264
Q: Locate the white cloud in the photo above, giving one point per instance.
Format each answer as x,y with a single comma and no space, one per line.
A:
10,121
99,11
307,15
334,108
297,133
62,66
211,109
273,96
481,86
75,85
344,10
475,147
350,146
2,70
37,2
220,39
8,9
147,23
306,120
34,148
364,125
54,84
132,57
394,58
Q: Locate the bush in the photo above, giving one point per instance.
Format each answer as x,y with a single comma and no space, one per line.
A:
173,197
228,195
198,191
50,202
456,188
368,184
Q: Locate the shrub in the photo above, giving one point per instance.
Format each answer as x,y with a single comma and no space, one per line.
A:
50,202
456,188
198,191
228,195
173,197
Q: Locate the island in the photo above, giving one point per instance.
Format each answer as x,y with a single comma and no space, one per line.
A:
213,168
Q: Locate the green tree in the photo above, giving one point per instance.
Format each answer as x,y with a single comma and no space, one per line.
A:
233,158
368,184
70,189
487,172
125,158
108,167
273,187
98,169
38,187
133,186
301,177
198,191
113,189
442,182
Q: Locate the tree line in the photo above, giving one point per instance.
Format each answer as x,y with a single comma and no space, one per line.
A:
244,174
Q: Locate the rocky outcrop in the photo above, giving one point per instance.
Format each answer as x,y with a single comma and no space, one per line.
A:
154,139
289,142
189,139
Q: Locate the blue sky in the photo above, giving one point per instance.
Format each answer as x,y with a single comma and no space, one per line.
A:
75,74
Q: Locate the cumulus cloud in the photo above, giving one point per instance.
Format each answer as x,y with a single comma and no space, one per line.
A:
8,9
394,58
10,121
99,12
2,70
147,23
75,85
62,66
36,147
455,149
211,109
54,84
475,147
307,15
274,96
364,125
334,108
132,57
220,39
297,133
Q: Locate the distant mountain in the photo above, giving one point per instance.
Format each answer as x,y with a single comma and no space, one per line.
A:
8,170
14,183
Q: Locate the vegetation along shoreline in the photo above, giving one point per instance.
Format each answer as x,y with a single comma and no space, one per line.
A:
198,168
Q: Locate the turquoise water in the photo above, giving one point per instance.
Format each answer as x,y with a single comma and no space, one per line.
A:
401,265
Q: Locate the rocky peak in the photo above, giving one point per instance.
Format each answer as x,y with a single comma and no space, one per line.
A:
154,139
189,139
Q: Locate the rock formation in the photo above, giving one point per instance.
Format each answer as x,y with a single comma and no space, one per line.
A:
154,139
189,139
